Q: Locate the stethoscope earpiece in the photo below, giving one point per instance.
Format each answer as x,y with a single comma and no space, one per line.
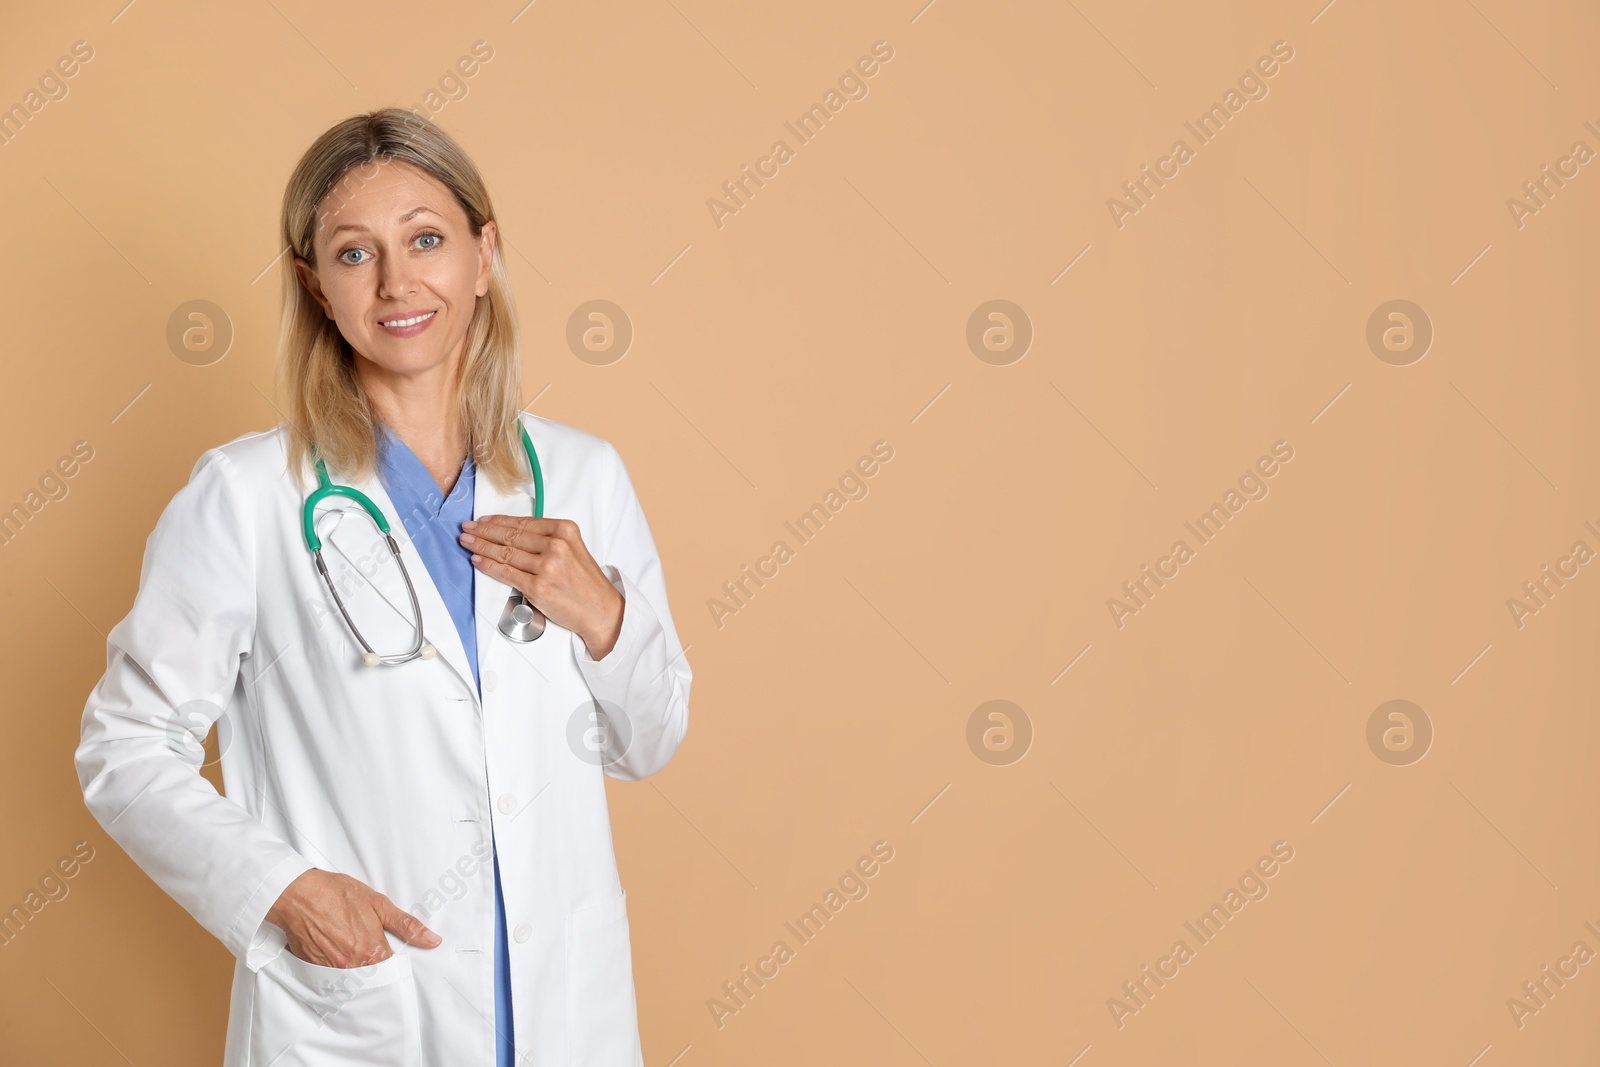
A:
372,659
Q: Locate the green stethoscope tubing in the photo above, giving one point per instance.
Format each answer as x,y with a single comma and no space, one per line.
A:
326,488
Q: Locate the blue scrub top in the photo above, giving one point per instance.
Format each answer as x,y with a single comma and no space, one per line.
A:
433,522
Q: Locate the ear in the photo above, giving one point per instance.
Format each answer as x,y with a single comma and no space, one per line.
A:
486,243
308,278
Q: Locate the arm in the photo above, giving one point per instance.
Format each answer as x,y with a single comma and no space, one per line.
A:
172,665
645,673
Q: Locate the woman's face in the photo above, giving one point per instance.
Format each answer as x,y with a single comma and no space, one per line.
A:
392,245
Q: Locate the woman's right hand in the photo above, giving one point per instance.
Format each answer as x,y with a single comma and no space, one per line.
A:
334,920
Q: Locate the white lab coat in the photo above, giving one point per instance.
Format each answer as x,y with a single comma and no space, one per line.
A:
395,775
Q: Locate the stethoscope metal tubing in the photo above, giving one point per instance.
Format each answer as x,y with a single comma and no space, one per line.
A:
371,658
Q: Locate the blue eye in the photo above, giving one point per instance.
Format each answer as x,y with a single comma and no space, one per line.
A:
437,238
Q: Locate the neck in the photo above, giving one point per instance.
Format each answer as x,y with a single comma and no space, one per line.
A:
423,412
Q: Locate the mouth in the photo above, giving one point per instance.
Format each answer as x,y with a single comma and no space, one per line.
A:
406,325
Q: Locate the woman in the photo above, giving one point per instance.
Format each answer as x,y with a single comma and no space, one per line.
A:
413,860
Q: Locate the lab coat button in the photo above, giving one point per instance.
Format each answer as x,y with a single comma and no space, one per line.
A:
522,932
508,803
490,681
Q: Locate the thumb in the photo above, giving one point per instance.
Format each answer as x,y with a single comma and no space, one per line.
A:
406,926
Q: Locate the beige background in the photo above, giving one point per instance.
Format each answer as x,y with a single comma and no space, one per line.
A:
830,313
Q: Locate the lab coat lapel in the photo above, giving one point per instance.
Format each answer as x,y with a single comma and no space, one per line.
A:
490,594
359,541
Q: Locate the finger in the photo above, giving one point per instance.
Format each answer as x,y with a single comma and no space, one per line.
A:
371,956
407,927
490,541
522,530
501,553
520,580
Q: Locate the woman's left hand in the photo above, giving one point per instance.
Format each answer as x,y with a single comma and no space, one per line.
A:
547,560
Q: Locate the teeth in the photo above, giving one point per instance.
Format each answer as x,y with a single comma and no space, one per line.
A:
406,322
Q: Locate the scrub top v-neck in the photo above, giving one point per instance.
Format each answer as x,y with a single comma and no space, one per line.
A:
433,521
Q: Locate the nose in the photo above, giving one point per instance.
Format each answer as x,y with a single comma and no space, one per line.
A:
396,278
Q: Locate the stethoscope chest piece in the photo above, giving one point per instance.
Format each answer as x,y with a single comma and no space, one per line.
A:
521,621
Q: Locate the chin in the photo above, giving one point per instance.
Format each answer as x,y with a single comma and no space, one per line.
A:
393,362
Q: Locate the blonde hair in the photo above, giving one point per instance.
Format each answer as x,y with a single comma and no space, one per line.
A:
316,371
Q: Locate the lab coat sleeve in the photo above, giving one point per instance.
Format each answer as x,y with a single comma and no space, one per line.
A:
646,674
171,667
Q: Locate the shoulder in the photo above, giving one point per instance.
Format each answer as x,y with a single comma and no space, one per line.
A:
575,451
590,477
226,484
258,458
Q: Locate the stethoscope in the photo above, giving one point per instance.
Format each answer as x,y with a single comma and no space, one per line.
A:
520,621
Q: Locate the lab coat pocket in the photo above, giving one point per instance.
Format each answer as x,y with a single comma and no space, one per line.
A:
602,1017
308,1015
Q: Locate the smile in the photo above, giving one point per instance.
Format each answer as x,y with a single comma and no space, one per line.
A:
400,324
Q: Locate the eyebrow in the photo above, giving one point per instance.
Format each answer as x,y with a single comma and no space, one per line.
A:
407,217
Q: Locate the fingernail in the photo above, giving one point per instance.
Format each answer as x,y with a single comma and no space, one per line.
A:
469,524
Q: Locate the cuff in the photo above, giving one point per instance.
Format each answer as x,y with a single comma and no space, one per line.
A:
265,939
634,623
